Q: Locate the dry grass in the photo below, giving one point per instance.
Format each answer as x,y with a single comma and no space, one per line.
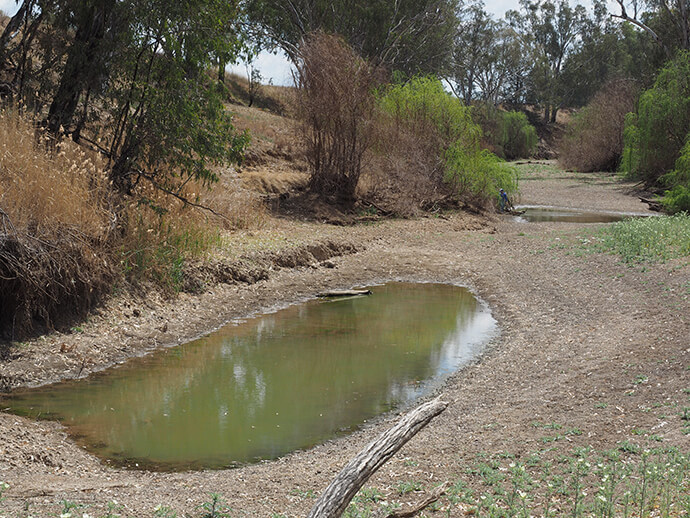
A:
41,192
277,99
54,229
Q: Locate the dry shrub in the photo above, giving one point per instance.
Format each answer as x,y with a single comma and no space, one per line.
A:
404,170
594,139
54,226
335,104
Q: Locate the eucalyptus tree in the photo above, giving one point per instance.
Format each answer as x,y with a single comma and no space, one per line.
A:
551,31
667,22
474,49
411,36
129,78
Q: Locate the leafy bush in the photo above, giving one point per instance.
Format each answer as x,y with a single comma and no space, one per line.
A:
335,106
677,198
444,129
422,105
518,136
505,133
594,138
478,175
655,137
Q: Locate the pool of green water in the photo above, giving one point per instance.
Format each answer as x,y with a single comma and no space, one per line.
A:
272,384
535,214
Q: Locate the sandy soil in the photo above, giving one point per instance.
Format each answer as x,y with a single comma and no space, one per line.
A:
577,329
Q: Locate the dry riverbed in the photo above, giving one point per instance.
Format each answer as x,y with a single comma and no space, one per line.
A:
586,342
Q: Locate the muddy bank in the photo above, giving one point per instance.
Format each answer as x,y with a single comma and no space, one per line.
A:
586,342
134,323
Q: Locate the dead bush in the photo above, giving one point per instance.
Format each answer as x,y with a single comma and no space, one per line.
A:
594,138
404,170
335,104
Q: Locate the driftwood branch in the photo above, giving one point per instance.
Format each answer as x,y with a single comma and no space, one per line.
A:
430,499
343,293
337,496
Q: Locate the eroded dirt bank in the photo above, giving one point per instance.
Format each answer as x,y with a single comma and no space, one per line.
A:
579,331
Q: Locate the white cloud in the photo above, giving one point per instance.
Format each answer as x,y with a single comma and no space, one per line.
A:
273,67
9,7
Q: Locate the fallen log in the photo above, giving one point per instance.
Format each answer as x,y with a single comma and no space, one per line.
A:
653,204
337,496
343,293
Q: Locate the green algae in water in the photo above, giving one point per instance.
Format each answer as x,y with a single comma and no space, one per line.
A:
274,384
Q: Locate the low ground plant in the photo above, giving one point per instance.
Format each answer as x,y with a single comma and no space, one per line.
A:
577,483
652,239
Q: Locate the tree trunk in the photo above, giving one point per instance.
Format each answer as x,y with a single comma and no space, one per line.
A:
221,70
554,112
547,113
11,28
337,496
81,68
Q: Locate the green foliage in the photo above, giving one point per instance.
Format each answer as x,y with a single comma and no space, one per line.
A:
158,246
677,198
423,103
649,239
438,117
518,136
478,175
506,133
654,139
169,120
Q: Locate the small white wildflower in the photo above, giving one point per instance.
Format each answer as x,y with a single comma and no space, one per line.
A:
86,515
482,497
512,464
602,498
66,515
157,508
522,494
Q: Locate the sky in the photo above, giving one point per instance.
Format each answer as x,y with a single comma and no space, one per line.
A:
276,68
